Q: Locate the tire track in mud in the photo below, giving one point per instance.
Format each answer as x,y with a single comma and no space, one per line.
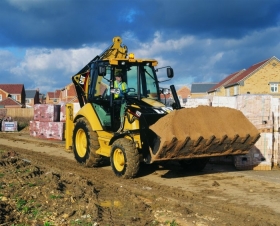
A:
55,182
115,201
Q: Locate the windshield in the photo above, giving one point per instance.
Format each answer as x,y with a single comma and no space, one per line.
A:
144,85
147,81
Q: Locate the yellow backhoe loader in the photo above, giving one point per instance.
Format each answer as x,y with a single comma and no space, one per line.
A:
138,127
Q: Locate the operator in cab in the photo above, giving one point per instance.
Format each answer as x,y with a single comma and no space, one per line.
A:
119,84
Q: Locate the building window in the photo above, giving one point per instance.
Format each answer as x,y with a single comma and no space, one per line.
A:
274,88
236,90
14,96
227,92
27,101
0,97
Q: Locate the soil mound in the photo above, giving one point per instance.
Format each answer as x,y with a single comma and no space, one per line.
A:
203,131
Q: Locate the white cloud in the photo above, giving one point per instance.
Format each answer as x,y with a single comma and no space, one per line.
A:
53,66
24,5
158,45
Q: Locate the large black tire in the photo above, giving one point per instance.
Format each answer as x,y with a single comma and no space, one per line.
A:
125,160
85,144
194,164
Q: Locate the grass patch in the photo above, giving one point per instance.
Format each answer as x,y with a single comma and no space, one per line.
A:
171,223
55,196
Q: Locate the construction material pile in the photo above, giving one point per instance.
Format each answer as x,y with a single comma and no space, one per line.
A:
203,132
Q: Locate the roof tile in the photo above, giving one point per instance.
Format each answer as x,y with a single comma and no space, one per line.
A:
9,101
12,88
225,80
246,73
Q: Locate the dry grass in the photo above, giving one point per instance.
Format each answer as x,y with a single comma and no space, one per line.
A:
23,122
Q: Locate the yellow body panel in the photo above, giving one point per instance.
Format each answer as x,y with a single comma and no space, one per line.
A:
104,140
115,61
132,123
69,126
131,126
152,102
88,112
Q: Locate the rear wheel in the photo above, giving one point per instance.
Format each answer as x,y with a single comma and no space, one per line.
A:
194,164
85,144
124,158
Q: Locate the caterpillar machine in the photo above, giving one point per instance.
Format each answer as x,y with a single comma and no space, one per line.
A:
139,128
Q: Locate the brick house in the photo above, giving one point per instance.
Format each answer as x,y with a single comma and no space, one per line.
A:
13,91
53,97
260,78
10,103
183,93
68,94
32,97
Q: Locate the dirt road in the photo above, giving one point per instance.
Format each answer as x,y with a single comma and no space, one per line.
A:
41,184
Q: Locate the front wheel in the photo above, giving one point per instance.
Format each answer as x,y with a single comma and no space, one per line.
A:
125,160
85,144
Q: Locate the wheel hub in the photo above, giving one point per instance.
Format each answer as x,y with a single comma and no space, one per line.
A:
119,160
81,142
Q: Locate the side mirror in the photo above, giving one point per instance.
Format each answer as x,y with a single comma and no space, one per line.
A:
170,72
101,71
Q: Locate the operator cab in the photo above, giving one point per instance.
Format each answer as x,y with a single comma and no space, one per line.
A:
141,84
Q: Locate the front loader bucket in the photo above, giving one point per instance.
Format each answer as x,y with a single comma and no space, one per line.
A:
202,132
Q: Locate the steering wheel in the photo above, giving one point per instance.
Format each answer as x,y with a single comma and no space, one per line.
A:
130,90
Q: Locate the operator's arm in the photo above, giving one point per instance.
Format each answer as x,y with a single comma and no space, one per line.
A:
124,87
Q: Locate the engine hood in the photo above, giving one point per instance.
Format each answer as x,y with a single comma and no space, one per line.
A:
152,102
146,105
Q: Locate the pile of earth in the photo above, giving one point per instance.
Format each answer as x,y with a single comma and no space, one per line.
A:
203,131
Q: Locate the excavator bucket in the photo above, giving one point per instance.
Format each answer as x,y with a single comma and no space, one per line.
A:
202,132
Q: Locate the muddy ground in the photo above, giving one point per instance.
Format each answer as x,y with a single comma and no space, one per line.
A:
41,184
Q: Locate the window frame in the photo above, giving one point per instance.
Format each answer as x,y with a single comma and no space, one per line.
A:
235,90
14,96
274,87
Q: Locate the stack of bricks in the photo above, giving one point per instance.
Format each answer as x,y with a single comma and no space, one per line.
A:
229,102
275,109
257,108
76,108
259,156
263,112
49,122
192,103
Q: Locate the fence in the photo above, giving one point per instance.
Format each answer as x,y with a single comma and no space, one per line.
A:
17,112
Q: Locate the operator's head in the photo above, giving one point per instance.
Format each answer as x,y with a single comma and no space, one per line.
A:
119,75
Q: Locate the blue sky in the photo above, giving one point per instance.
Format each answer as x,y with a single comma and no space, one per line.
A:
44,42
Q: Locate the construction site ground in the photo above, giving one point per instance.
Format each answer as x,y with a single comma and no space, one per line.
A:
42,184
